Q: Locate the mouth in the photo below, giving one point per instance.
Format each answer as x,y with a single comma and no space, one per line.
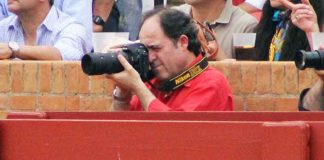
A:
155,66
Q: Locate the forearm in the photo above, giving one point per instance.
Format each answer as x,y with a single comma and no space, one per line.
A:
38,53
314,99
102,8
309,36
144,95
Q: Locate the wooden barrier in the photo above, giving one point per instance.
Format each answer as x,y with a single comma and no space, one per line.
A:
174,135
138,140
179,116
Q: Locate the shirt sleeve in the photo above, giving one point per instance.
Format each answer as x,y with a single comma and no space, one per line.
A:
72,42
81,10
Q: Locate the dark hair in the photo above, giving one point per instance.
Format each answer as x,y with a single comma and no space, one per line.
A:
295,39
175,23
51,2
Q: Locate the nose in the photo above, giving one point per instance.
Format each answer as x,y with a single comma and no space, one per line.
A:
151,56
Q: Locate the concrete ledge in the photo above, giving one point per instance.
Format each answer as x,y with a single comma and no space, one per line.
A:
62,86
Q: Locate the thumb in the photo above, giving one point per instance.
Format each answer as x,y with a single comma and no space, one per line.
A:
306,2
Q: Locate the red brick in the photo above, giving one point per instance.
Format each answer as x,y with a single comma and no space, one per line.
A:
286,104
58,77
51,103
278,78
84,81
263,85
305,79
17,84
109,86
235,77
30,77
4,77
44,76
220,66
72,103
248,77
97,84
259,103
22,103
72,77
95,104
291,78
239,103
4,102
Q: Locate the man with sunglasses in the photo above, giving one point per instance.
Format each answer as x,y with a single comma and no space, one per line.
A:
183,80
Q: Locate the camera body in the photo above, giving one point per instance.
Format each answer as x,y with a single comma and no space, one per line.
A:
312,59
100,63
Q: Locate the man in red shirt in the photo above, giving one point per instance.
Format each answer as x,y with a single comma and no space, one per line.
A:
175,58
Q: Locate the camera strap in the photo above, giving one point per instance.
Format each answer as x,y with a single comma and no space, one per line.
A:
185,76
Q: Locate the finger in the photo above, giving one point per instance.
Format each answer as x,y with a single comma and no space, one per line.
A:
321,48
117,46
303,16
303,11
124,62
306,2
320,73
287,4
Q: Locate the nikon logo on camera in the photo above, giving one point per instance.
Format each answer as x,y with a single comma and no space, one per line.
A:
189,74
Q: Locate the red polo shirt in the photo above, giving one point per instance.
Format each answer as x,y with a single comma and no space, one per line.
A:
209,91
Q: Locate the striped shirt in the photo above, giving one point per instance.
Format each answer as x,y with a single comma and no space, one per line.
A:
58,30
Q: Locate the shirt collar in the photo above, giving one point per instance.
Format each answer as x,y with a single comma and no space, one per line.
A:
198,58
14,23
48,21
156,82
51,17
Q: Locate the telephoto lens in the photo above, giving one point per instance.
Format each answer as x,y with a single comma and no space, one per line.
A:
313,59
100,63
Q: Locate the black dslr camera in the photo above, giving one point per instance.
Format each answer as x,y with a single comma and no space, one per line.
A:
313,59
100,63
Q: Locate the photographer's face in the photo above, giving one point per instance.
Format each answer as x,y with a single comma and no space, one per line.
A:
167,59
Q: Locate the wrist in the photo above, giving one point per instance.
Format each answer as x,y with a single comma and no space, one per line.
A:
121,95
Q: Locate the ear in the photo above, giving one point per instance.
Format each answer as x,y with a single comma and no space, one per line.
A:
183,42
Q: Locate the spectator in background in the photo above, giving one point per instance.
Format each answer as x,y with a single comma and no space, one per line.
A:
39,31
171,39
121,16
283,30
79,9
224,18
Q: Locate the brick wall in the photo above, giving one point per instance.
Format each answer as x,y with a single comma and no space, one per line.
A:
62,86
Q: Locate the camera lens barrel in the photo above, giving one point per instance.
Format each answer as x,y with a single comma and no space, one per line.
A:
313,59
100,63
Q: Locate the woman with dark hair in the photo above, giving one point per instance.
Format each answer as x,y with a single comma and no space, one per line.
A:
285,28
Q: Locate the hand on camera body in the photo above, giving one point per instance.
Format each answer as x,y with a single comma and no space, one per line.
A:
128,79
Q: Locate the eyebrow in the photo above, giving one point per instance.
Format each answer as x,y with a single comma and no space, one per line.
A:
153,46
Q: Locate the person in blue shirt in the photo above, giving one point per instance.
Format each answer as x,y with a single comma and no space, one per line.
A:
39,31
81,10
